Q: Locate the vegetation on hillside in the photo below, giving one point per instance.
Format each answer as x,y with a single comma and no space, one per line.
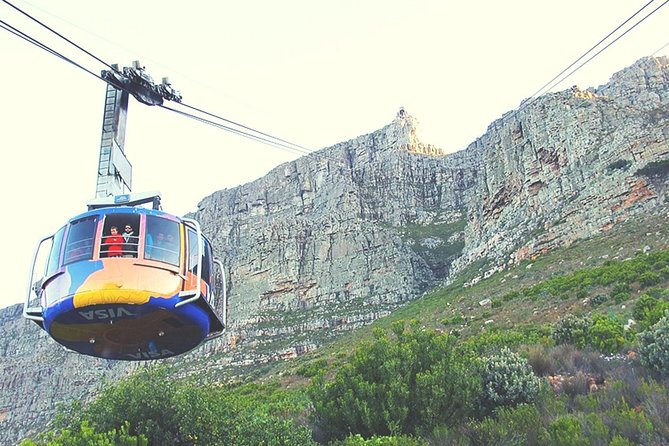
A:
551,358
154,406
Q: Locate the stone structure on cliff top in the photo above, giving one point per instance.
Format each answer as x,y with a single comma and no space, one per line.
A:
341,237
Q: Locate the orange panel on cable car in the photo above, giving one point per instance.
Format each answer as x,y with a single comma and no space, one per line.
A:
127,283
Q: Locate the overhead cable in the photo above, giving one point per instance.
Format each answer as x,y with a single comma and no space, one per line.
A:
533,98
614,41
660,48
590,50
7,27
57,33
271,142
247,128
259,136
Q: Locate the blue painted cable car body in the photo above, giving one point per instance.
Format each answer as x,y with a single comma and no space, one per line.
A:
150,296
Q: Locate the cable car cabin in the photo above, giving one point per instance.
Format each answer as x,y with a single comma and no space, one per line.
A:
146,295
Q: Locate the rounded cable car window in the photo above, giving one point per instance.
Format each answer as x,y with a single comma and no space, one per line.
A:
207,266
120,235
162,240
193,258
54,255
79,245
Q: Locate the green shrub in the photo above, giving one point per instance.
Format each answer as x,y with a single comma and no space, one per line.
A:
598,300
541,361
169,411
620,297
571,330
87,435
454,320
655,404
564,431
581,293
401,385
664,272
620,441
511,295
312,368
624,286
595,429
507,380
494,338
603,333
654,346
648,310
629,423
621,291
649,278
518,425
606,335
358,440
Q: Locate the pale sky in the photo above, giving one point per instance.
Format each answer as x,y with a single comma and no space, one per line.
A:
311,72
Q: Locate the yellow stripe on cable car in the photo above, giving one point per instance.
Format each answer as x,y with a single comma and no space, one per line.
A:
110,295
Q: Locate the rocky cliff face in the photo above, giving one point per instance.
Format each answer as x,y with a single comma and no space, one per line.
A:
566,166
337,239
323,243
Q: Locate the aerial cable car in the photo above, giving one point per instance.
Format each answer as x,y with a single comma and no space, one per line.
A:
123,280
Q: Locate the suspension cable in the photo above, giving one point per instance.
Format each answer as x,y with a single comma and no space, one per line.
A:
247,128
38,44
58,34
533,98
256,138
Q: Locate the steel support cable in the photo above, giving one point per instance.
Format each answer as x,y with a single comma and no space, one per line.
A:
277,143
237,131
661,48
185,105
58,34
591,49
297,146
273,141
534,99
4,25
18,33
38,44
614,41
191,107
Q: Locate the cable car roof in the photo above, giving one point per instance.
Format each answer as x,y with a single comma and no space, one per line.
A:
127,210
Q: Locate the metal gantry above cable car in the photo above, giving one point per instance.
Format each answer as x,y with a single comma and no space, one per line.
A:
139,83
125,281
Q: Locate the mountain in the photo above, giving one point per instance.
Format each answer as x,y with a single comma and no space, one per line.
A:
337,239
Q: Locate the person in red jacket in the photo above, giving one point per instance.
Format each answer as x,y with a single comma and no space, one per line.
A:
114,243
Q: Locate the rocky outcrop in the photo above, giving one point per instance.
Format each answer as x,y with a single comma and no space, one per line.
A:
567,166
339,238
361,227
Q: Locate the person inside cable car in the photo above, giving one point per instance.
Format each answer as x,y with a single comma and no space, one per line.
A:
155,246
113,243
171,250
131,242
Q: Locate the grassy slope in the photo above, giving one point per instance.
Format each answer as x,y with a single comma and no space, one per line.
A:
457,308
